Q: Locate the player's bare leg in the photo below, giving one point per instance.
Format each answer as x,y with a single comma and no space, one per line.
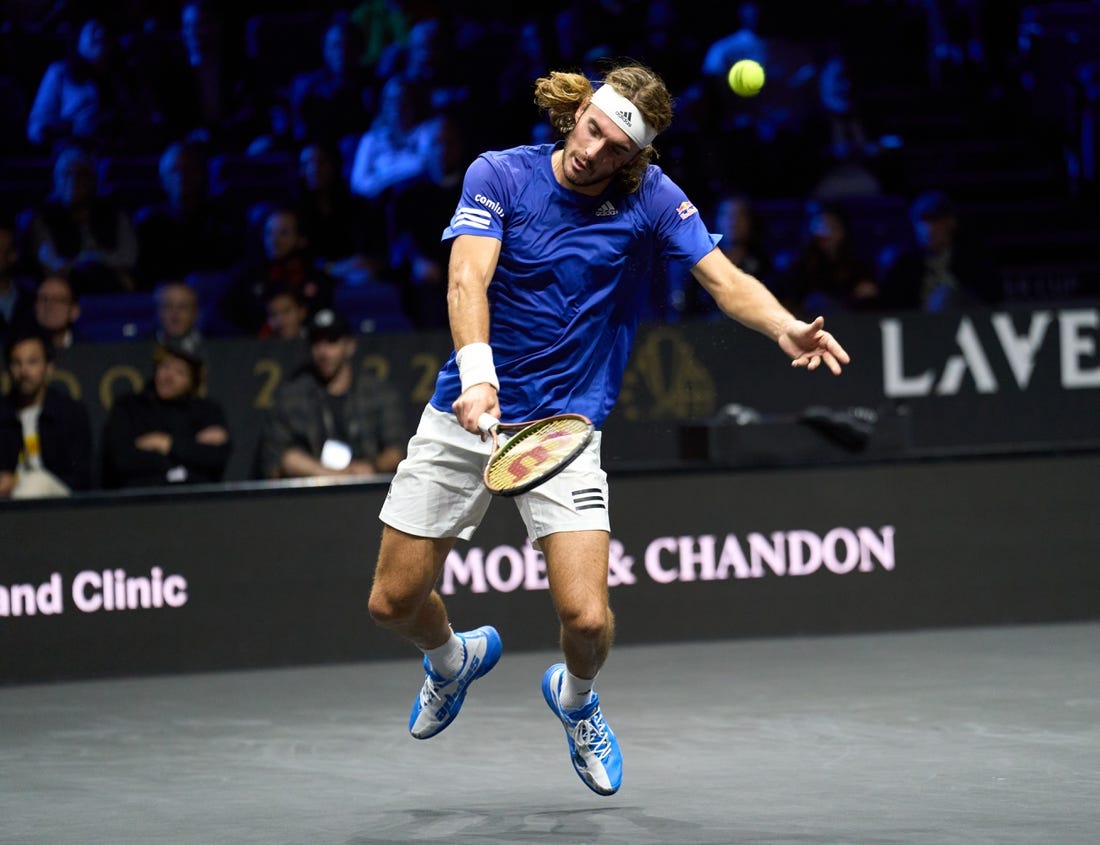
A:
404,600
576,566
403,597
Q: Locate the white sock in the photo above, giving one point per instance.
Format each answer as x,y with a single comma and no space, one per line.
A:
447,659
575,692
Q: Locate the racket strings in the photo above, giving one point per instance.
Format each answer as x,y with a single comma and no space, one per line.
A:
534,452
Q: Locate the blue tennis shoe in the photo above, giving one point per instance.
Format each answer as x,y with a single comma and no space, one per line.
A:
440,698
592,746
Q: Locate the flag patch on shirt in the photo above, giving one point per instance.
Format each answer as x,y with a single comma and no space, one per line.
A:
686,209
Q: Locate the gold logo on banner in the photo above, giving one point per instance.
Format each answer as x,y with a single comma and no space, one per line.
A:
126,373
665,380
272,373
427,367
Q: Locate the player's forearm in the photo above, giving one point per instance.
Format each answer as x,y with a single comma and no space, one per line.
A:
473,261
742,297
753,305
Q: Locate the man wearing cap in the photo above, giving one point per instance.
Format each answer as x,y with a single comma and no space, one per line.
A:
332,418
553,246
167,433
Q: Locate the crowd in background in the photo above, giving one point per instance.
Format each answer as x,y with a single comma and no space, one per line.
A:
237,169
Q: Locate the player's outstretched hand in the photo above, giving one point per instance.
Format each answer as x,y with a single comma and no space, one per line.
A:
809,344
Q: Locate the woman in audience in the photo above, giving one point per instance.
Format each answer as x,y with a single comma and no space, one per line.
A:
167,433
828,274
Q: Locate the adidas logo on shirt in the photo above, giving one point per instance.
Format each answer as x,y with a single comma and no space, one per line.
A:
606,209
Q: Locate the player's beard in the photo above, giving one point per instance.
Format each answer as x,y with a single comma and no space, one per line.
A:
587,178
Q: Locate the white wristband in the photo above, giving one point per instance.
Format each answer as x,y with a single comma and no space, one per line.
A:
475,365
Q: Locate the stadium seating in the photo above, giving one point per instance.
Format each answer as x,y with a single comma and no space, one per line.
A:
117,317
372,307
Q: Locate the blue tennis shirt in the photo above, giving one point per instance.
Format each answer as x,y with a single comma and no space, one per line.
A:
571,281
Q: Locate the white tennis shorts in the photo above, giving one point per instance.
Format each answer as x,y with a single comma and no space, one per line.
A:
437,490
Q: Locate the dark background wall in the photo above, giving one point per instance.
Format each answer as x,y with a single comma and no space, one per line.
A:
1010,379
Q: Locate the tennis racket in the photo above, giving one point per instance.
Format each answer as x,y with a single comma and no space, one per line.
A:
528,453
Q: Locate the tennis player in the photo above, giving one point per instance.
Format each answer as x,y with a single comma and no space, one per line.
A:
552,246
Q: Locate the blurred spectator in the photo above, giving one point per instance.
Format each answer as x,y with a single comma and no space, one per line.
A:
56,310
418,212
344,233
86,97
81,234
337,99
827,273
332,418
190,231
383,25
287,313
285,261
204,91
16,293
957,53
739,226
397,146
168,433
177,313
524,51
745,42
844,154
429,60
668,36
55,436
580,25
941,271
787,96
10,444
1083,131
764,129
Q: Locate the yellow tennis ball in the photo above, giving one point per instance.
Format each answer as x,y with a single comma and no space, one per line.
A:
746,78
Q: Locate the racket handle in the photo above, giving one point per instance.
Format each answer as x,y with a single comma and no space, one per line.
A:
487,422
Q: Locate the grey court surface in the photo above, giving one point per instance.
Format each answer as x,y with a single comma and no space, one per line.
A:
953,736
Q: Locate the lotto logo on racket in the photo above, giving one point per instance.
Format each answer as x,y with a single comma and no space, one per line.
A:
686,209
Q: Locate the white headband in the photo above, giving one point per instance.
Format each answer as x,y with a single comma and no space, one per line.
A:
625,114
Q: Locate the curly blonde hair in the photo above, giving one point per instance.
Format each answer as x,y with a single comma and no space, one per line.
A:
560,93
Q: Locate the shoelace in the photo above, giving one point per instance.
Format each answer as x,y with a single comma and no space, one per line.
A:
433,683
590,734
430,691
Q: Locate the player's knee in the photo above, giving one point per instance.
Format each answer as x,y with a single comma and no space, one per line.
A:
388,608
587,622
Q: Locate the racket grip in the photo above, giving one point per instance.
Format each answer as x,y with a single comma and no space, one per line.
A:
487,422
